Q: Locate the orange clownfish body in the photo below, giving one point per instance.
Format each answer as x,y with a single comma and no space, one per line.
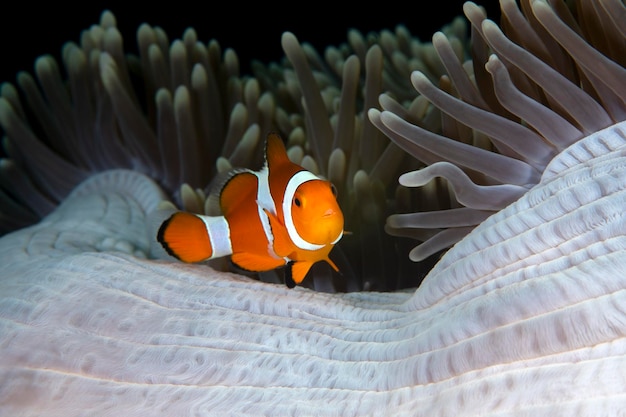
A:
280,215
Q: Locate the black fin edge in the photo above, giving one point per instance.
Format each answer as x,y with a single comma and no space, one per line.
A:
289,282
161,239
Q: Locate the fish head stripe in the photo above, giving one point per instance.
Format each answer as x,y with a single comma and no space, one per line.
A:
334,242
296,180
279,170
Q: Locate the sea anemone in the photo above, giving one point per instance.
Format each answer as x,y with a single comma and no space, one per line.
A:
532,92
181,113
523,315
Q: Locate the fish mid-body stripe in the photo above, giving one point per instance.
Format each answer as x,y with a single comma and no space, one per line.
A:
266,202
219,235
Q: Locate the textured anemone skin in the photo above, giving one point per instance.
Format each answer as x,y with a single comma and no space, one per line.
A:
524,316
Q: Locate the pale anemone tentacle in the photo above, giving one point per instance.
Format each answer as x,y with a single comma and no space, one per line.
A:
331,97
197,120
200,119
371,161
196,103
587,186
528,127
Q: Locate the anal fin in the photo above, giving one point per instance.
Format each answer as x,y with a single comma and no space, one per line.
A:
297,271
256,263
289,282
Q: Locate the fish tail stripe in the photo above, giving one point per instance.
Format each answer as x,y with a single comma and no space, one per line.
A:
299,178
219,234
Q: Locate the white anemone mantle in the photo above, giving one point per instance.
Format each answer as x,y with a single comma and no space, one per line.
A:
525,316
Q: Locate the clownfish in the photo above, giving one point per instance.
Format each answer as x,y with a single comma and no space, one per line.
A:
282,215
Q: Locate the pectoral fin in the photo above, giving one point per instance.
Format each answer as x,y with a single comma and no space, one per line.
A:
283,246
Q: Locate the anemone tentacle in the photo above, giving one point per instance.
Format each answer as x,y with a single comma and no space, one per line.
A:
180,112
494,94
530,110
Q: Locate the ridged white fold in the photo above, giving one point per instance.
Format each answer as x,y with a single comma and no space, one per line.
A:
524,316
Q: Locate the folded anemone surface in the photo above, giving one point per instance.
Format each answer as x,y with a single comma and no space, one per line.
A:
482,178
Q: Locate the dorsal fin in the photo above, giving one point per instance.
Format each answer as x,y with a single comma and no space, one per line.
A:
212,206
275,151
280,170
238,189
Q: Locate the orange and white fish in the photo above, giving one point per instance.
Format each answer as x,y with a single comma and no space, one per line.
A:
282,215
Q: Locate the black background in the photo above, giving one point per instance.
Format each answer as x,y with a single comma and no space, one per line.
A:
253,31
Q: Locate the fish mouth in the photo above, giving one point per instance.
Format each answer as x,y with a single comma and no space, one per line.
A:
329,213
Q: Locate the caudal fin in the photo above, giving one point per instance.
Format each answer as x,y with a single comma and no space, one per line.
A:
185,236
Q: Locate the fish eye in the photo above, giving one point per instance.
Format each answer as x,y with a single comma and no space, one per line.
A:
297,202
333,189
